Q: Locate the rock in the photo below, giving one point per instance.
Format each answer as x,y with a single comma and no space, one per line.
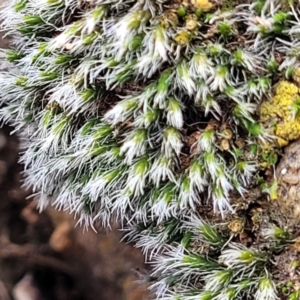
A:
288,175
61,239
26,289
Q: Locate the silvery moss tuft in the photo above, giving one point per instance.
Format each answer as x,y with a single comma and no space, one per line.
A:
150,113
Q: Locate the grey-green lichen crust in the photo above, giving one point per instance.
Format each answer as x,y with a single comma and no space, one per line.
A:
147,111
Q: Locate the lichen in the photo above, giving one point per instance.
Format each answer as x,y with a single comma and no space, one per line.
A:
281,114
204,5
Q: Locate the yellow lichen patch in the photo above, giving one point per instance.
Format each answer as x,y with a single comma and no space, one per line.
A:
288,131
281,111
281,142
204,5
284,88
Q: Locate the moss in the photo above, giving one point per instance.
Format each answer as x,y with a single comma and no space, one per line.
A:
145,111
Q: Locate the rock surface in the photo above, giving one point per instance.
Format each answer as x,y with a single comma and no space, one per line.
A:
288,176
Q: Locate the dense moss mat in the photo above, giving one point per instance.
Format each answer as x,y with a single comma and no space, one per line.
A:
168,116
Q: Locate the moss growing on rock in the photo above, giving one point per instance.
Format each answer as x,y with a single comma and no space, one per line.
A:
149,112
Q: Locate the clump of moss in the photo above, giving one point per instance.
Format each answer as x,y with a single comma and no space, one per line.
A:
144,112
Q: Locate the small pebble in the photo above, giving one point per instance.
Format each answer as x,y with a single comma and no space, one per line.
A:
26,289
